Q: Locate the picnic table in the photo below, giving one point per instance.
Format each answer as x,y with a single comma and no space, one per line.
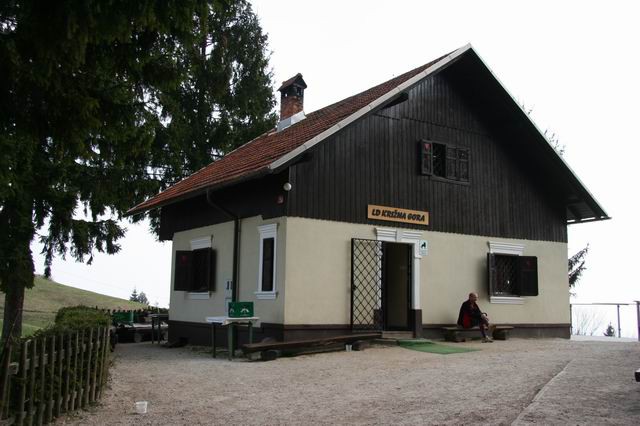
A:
157,321
230,323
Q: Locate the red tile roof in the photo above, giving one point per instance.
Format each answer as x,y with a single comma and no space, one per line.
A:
254,157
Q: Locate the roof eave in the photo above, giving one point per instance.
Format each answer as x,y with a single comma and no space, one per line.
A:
139,209
587,220
577,181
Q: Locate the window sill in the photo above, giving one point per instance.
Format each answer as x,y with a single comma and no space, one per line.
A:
266,295
447,180
507,300
199,296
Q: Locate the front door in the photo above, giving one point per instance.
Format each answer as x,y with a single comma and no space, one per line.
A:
396,285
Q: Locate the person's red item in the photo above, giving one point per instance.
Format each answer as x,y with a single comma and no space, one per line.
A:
466,320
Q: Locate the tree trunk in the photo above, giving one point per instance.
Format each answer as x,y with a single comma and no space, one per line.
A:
17,274
13,305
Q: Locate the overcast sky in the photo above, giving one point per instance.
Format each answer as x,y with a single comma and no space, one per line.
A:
574,63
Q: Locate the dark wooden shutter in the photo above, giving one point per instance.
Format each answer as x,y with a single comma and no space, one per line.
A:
463,165
182,271
527,276
491,273
212,271
426,157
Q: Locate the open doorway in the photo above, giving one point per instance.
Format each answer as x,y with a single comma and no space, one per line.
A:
396,288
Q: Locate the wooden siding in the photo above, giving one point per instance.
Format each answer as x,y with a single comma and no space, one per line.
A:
257,197
375,161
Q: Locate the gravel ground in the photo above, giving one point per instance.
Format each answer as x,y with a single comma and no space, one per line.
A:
518,381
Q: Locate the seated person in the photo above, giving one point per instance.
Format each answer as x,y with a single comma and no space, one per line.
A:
471,316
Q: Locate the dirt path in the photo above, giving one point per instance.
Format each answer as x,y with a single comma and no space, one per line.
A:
517,381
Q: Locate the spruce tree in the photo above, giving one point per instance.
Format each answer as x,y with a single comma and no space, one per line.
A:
104,103
142,298
610,331
576,266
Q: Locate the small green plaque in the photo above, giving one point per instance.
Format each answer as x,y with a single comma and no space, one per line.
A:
240,309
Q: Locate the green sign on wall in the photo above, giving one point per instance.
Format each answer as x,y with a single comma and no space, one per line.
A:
240,309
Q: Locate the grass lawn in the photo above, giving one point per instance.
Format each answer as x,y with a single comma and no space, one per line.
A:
46,297
423,345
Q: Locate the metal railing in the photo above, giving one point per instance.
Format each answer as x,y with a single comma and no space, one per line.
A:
617,305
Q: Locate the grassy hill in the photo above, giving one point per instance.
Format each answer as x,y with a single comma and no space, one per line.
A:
46,297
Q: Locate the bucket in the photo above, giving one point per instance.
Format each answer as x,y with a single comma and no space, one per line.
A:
347,348
141,407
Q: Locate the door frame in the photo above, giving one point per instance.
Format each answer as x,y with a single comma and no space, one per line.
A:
412,237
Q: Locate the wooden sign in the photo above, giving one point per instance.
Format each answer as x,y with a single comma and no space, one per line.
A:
393,214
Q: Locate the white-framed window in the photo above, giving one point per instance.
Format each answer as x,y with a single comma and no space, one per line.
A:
511,275
267,261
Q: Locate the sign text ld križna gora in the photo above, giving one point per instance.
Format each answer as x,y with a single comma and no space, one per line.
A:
393,214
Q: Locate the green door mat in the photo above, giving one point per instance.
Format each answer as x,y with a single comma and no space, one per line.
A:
431,347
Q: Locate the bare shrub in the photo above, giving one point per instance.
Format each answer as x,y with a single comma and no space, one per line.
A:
587,322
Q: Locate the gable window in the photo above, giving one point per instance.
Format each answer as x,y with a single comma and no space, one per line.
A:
267,262
511,275
444,160
195,270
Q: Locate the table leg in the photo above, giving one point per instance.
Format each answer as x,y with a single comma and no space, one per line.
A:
230,329
213,340
250,332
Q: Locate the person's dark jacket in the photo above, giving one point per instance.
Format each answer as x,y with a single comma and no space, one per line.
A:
470,314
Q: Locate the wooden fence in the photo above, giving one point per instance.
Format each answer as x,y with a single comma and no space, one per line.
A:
50,375
137,314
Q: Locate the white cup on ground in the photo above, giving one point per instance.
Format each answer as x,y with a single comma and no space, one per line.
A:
141,407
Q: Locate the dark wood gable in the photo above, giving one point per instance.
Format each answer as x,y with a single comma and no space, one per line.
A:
377,160
257,197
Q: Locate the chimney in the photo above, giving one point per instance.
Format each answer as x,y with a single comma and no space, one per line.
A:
291,101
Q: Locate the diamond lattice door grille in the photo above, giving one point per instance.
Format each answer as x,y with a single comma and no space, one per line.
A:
366,284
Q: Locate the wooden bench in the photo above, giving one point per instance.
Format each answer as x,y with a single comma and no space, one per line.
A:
455,334
271,350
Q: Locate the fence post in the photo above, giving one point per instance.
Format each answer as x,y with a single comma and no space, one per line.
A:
570,320
80,387
41,404
67,375
6,380
619,333
74,390
22,393
60,376
103,364
638,317
33,366
95,351
51,362
87,383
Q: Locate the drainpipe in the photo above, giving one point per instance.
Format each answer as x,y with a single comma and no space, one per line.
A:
236,245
